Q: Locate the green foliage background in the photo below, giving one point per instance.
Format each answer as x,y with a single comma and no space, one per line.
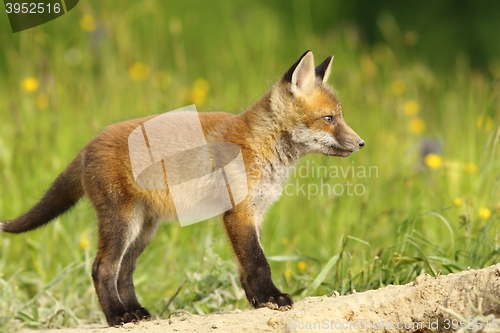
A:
417,214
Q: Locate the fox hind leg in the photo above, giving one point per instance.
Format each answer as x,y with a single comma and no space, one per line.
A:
121,240
125,282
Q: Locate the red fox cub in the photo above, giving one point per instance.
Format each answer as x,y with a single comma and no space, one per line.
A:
298,115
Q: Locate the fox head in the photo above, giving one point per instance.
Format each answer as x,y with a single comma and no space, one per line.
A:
310,112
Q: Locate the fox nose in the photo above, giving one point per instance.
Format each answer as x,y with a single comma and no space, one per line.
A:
361,143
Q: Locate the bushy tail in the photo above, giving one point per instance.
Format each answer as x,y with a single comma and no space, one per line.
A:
61,196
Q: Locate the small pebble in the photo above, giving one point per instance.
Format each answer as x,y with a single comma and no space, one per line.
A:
272,322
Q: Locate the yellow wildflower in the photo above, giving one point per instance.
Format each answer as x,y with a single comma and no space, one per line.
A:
411,108
199,92
484,213
301,266
484,123
29,84
416,125
288,273
42,101
84,242
285,241
398,87
88,23
457,202
433,161
202,84
139,71
471,168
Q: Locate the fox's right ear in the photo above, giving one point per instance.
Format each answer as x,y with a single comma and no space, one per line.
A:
301,75
323,70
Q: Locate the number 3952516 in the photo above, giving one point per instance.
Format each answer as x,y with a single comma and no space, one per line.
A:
33,8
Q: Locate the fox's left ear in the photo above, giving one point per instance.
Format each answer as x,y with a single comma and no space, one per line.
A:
301,75
323,70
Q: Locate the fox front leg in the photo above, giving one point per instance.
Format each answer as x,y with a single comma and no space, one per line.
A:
255,272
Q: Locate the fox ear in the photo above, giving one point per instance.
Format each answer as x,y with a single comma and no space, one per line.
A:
323,70
301,74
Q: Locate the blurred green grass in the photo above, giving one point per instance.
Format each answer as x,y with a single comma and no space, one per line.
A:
415,215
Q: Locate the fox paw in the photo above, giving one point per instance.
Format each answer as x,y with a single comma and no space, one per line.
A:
282,302
131,316
141,314
123,318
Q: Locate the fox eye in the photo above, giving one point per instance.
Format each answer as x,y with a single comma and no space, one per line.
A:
329,119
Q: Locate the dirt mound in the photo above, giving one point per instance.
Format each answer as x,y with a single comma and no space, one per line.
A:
468,300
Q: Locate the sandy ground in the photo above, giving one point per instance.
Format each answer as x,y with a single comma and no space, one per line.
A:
428,304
